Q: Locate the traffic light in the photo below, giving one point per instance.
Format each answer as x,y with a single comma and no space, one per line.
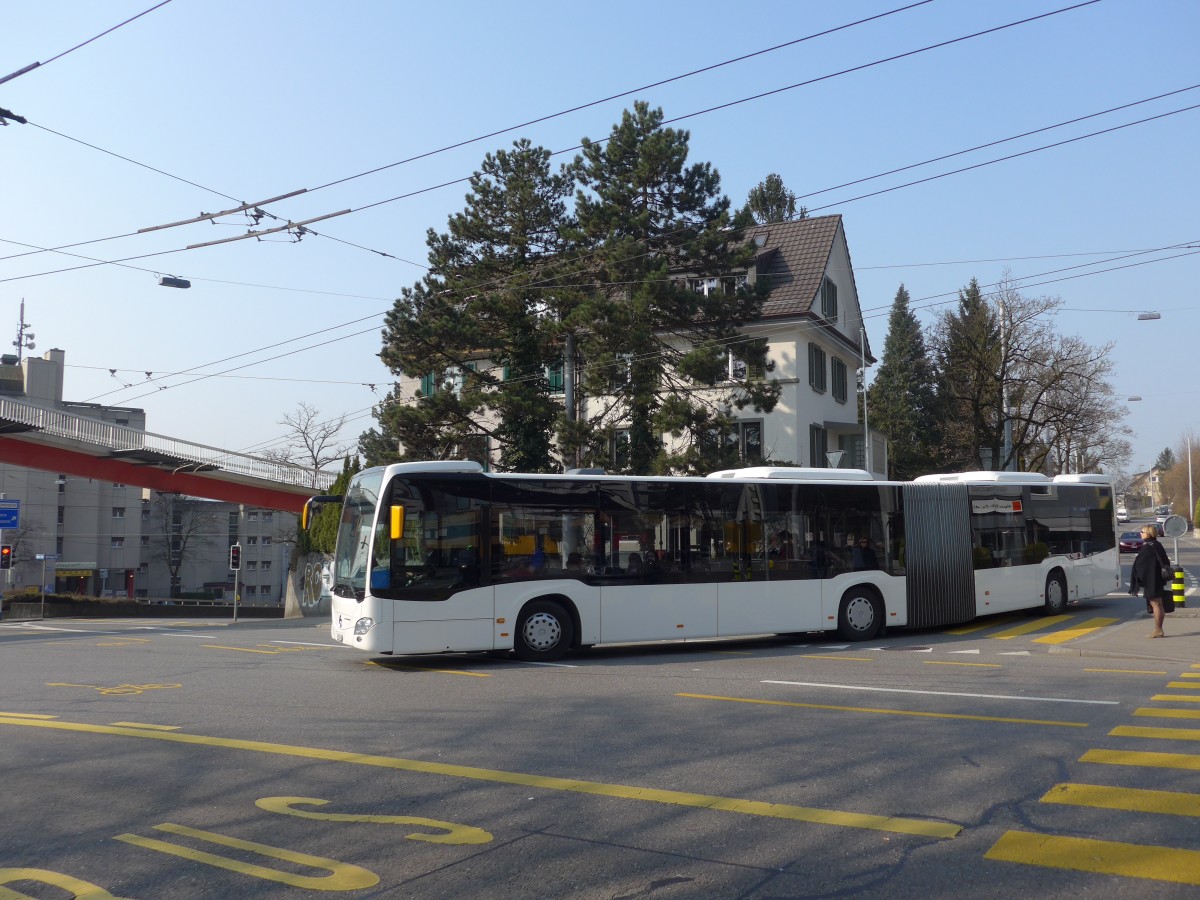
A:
6,556
235,557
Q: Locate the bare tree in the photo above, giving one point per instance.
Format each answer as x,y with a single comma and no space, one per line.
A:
310,441
184,526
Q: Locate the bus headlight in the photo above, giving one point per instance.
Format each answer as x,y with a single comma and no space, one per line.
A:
363,625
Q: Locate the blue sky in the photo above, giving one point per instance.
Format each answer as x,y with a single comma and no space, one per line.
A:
257,99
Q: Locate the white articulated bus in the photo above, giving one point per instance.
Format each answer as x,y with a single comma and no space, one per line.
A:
443,556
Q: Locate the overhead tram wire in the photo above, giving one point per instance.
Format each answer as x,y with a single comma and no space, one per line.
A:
36,65
600,141
245,206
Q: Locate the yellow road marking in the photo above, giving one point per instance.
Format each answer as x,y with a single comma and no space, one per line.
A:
938,662
1176,698
978,626
456,834
1189,674
1168,713
845,658
894,824
1075,631
240,649
1170,803
1168,734
890,712
144,725
27,715
1027,627
735,652
342,876
1184,686
1188,761
123,689
427,669
1109,857
1128,671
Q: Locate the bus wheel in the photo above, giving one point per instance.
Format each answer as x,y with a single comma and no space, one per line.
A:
543,632
860,616
1056,594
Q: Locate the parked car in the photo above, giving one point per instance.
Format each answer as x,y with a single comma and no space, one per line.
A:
1131,541
1122,514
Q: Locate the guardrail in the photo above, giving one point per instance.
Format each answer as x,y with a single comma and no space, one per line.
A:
117,438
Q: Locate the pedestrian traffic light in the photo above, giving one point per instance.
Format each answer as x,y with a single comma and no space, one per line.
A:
235,557
6,556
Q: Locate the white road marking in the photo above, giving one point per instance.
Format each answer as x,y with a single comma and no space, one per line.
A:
1016,653
975,652
859,687
307,643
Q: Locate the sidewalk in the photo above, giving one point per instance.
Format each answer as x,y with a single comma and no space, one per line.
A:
1130,639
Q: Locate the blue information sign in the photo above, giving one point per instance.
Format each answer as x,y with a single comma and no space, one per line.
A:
10,513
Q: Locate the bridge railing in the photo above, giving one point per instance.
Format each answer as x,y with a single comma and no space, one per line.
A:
191,456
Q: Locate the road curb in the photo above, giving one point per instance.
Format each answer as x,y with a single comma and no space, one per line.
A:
1120,654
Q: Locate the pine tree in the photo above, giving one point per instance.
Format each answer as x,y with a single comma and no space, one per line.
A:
901,399
484,325
967,346
771,201
658,324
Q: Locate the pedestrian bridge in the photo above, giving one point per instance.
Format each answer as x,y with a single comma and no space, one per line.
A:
56,441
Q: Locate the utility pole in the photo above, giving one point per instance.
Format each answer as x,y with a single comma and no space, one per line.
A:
25,337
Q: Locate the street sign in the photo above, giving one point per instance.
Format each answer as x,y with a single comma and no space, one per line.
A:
10,514
1175,527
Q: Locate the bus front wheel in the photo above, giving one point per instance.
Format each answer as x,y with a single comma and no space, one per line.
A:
1056,594
860,616
544,632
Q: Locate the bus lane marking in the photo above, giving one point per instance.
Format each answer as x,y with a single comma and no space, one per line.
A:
942,662
1175,698
886,690
1028,627
1186,761
1106,857
1169,803
1128,671
404,668
146,725
980,626
1183,686
83,890
842,658
455,833
888,712
814,815
342,876
1083,629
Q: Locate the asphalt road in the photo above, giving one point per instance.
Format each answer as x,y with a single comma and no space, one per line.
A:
199,760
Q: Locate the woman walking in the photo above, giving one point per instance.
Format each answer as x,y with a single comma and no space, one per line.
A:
1150,569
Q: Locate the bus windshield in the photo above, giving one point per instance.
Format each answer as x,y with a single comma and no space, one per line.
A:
352,556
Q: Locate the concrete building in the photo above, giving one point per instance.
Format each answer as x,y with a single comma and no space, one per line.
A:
105,538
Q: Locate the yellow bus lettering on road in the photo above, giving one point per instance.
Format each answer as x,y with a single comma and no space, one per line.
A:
81,890
455,834
342,876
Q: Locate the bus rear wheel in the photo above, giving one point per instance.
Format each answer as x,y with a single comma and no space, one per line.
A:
1056,594
860,615
544,632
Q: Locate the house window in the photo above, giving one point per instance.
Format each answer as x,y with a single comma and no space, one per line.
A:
829,303
252,540
619,377
740,370
458,377
145,513
555,378
266,565
429,384
264,589
249,589
58,546
816,368
252,517
62,512
118,484
818,444
62,484
268,516
118,543
118,512
251,565
143,568
145,540
618,448
122,421
750,441
837,370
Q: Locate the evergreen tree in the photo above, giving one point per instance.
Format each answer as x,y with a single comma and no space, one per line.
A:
771,201
322,531
483,327
967,347
1166,459
659,322
901,400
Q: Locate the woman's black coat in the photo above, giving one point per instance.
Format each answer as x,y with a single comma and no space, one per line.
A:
1147,570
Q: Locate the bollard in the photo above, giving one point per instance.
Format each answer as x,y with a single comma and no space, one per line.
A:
1179,588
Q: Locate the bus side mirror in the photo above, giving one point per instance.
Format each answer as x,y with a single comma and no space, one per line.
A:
397,530
313,505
